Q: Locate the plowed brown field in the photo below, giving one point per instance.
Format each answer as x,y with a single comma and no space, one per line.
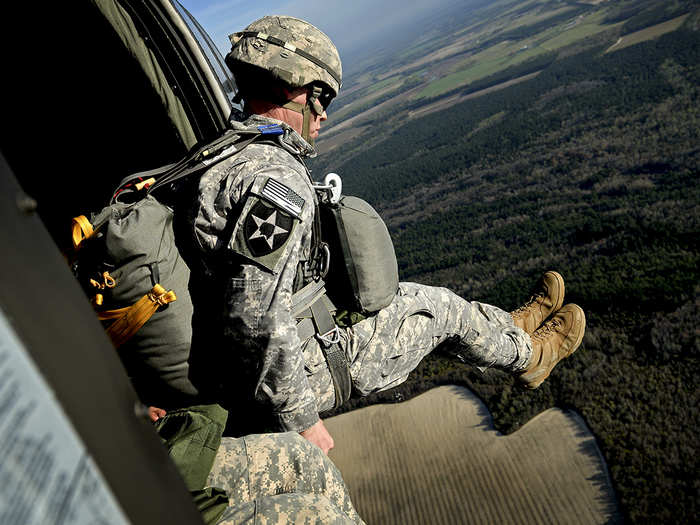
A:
437,459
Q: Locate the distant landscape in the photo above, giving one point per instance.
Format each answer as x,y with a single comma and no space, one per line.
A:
527,135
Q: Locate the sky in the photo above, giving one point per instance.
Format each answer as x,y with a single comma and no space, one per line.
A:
349,23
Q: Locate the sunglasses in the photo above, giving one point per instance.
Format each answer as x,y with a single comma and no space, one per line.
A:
320,99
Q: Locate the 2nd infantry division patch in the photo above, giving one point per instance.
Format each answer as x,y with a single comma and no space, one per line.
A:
266,229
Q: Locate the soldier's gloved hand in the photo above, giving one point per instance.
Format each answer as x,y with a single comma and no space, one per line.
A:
319,436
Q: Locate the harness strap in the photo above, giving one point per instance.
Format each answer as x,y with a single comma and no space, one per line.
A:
325,324
215,152
221,148
303,299
313,310
305,328
340,373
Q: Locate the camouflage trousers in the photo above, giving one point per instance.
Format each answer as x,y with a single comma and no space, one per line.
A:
383,349
280,478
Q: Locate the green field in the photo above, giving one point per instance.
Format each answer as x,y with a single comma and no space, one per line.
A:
647,34
579,32
482,66
511,53
495,44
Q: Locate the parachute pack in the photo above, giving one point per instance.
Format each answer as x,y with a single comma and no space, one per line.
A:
127,261
129,264
363,273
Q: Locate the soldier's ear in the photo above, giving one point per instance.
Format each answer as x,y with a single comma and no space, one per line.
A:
290,94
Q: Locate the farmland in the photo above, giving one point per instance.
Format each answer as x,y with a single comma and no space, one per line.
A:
649,33
519,39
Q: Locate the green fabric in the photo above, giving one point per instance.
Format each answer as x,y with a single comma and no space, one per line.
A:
211,503
125,28
136,244
346,318
363,274
192,436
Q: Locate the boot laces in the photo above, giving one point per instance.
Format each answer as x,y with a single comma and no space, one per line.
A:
547,329
532,301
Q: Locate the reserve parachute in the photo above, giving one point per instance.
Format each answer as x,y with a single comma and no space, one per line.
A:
363,274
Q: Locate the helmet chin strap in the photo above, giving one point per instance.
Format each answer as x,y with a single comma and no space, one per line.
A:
312,105
305,110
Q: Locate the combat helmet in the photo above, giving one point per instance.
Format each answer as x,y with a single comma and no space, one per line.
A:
292,51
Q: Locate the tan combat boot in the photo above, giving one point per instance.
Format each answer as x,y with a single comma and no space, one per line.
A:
557,339
546,299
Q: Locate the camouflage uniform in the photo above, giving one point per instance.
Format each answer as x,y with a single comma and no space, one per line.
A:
257,475
253,281
311,509
384,348
253,252
280,478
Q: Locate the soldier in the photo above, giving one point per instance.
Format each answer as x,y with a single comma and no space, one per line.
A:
280,477
261,478
253,230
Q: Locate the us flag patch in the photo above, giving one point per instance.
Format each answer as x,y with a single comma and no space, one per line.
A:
284,197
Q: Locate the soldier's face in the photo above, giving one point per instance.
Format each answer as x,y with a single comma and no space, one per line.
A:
296,120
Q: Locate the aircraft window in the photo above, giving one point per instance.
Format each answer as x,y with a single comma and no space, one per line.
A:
216,61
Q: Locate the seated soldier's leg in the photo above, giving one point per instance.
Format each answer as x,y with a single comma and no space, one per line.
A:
385,348
289,509
257,466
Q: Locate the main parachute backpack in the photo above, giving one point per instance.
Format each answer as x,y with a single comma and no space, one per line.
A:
127,261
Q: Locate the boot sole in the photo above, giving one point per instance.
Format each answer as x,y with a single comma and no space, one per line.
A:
582,329
560,299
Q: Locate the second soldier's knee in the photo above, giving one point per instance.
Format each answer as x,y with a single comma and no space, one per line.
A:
286,462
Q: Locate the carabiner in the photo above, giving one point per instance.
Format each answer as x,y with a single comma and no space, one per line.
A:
331,337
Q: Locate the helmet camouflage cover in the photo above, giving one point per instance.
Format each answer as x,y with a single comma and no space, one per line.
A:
290,49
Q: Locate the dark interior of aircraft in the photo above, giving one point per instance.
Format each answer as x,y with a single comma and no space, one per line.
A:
78,114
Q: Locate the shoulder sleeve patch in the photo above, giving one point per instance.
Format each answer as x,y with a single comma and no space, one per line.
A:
270,226
266,229
283,196
262,233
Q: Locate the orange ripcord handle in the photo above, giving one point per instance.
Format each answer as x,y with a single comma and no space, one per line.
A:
82,229
129,320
